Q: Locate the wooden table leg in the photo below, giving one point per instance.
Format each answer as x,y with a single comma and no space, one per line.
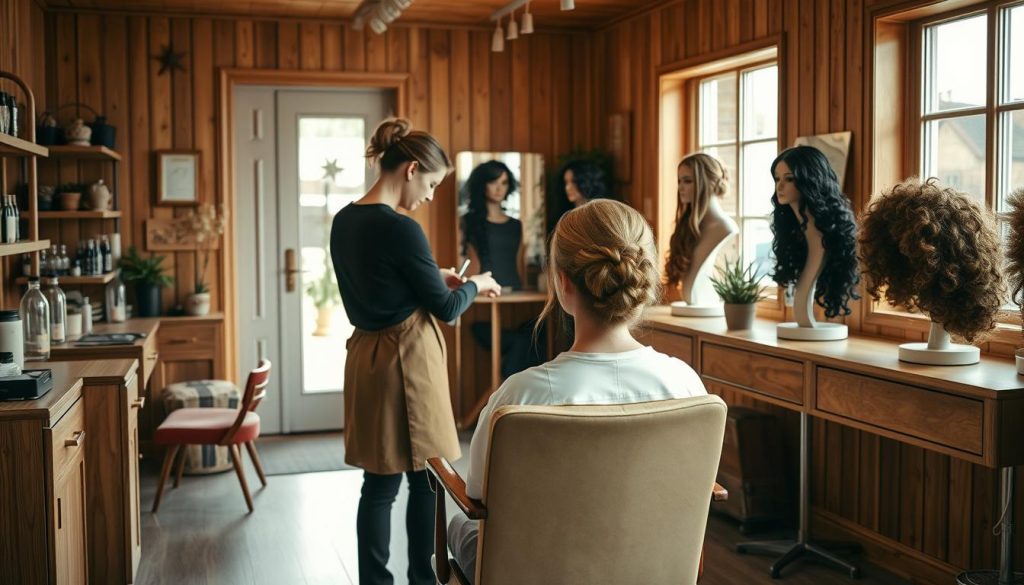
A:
470,418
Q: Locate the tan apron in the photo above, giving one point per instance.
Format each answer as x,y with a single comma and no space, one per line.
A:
397,409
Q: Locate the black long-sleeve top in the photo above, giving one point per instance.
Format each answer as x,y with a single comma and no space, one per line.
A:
386,270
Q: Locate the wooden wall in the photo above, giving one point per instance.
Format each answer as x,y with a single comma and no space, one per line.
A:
467,96
918,512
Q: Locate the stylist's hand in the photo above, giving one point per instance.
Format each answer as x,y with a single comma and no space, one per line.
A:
486,285
451,278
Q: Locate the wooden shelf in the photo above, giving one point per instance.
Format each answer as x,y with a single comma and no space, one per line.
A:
23,247
100,279
84,152
12,145
76,214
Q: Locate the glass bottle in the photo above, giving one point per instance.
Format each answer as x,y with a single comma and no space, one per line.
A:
35,322
86,316
108,260
26,264
64,263
117,300
58,310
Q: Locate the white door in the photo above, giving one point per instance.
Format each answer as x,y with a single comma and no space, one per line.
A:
299,159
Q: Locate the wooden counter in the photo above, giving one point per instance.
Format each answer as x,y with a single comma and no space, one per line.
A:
144,350
968,412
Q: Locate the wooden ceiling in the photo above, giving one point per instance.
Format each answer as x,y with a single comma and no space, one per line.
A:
588,13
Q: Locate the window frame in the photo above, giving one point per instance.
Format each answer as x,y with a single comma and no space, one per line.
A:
679,87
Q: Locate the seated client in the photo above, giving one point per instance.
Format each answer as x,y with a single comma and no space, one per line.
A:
604,273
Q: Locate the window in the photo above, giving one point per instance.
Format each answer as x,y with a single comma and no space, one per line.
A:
971,108
737,123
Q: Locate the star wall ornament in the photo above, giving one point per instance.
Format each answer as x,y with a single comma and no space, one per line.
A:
331,169
170,60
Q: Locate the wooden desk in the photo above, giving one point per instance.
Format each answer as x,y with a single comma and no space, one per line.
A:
496,304
144,350
972,413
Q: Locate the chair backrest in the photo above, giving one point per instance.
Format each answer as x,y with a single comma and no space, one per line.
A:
255,391
599,494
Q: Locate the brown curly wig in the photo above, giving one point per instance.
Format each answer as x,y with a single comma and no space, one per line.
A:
1015,248
934,249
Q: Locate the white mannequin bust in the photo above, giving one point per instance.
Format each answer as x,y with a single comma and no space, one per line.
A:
698,296
806,328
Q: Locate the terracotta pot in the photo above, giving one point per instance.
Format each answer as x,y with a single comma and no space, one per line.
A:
323,322
70,201
198,304
740,316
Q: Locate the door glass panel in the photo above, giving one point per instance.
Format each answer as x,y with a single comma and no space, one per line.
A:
332,174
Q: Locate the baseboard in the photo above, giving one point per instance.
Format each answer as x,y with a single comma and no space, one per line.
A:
897,558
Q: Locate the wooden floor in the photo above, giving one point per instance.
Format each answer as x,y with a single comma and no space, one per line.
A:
303,532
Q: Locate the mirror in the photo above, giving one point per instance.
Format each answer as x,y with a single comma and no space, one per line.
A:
500,223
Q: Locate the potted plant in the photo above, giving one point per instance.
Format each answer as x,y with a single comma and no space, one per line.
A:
740,289
326,296
69,196
148,276
206,225
1015,259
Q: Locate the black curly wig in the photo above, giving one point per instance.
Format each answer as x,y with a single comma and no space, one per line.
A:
474,229
821,199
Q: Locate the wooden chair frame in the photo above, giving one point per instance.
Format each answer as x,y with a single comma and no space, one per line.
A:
443,478
255,392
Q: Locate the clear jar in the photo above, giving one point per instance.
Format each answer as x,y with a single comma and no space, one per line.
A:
117,300
35,322
58,310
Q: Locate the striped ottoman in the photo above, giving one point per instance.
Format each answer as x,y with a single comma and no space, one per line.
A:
203,394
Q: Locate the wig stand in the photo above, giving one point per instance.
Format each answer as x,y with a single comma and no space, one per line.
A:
791,550
699,298
939,351
1005,575
806,328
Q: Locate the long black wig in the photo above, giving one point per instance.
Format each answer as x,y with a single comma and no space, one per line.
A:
474,229
821,199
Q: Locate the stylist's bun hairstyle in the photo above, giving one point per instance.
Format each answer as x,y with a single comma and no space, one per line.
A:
607,250
395,143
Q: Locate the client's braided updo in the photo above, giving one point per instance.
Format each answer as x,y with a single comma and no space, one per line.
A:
607,250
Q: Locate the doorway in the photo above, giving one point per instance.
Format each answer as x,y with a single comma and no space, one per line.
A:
298,160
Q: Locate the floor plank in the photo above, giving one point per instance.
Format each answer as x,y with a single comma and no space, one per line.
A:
303,532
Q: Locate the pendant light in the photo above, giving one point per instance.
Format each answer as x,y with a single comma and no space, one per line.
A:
568,5
527,27
498,40
513,28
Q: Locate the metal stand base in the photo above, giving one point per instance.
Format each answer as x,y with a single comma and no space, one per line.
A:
987,578
791,550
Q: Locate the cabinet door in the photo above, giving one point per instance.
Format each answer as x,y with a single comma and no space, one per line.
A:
134,544
69,519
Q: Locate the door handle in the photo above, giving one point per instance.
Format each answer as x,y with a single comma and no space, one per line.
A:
291,269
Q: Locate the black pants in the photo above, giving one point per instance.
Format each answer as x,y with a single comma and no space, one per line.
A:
373,527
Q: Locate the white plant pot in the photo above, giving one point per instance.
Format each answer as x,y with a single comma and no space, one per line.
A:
198,304
323,321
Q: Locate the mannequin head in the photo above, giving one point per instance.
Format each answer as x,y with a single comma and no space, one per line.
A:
936,250
583,182
806,188
701,177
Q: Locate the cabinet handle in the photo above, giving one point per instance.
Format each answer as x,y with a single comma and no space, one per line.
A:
60,519
76,441
139,402
182,341
153,356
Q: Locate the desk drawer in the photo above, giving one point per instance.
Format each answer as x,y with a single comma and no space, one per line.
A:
755,372
673,344
188,339
953,421
67,438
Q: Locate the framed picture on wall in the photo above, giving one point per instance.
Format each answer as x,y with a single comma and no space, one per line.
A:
177,177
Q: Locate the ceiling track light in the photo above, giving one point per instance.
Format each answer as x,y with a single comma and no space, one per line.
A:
568,5
527,27
513,29
378,14
498,39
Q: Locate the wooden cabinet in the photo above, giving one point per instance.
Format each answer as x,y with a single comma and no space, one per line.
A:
190,349
111,394
43,488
